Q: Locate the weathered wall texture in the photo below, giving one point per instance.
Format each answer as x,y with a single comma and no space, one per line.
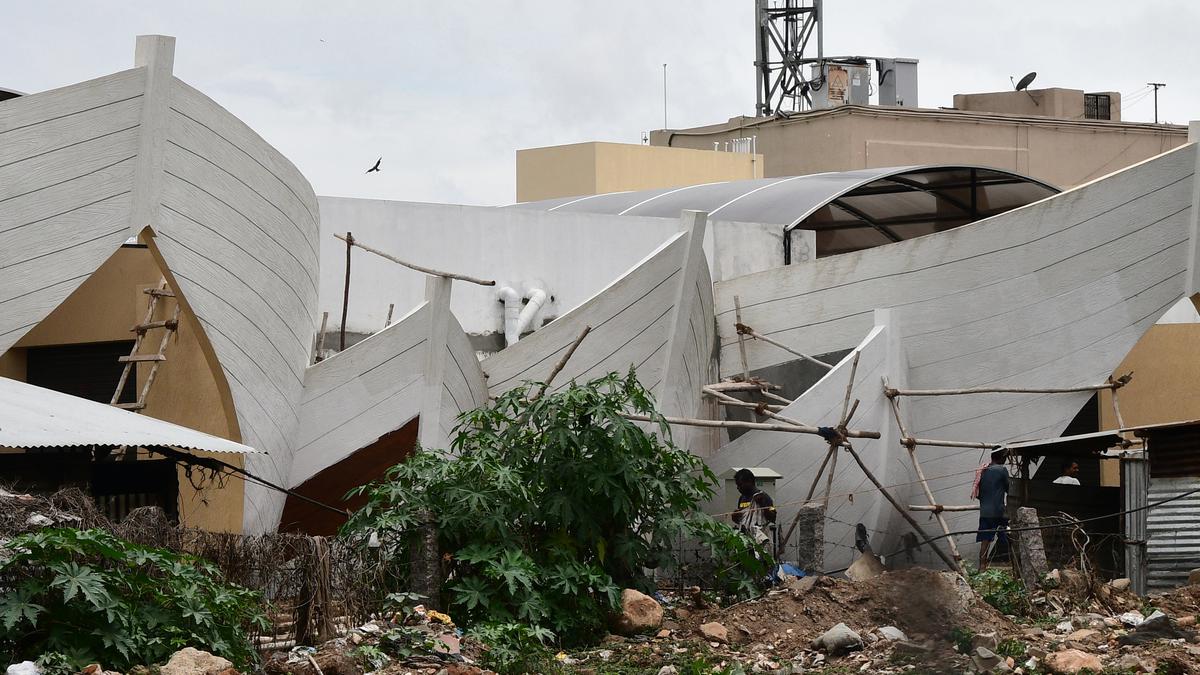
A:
598,168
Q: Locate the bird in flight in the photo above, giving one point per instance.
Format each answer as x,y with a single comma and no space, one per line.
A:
376,167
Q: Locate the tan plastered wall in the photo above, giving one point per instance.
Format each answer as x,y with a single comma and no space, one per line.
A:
1166,378
103,309
597,168
1061,153
1165,388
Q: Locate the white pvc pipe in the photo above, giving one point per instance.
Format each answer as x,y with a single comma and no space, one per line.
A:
533,308
512,314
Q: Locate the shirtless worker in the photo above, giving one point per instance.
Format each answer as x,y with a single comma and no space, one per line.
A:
993,487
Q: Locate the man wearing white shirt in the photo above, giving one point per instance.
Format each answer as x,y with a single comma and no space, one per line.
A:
1070,469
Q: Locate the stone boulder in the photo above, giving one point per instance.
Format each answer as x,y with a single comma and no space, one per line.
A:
190,661
1072,661
714,632
640,613
838,640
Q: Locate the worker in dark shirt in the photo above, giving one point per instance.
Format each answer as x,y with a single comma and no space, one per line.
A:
755,509
993,487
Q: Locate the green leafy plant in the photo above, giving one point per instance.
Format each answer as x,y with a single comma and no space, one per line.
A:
81,596
1001,590
961,639
1010,647
550,505
515,648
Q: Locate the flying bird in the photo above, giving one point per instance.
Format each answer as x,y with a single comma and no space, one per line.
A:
376,167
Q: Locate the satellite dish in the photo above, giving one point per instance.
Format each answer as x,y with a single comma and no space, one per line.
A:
1026,81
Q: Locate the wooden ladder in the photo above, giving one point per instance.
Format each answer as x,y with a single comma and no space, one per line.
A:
169,327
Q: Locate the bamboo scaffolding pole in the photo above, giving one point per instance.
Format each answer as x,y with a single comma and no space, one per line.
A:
743,329
727,399
737,313
563,361
1116,404
937,508
1111,384
749,405
912,455
933,442
388,321
734,424
350,241
753,385
831,455
901,510
776,397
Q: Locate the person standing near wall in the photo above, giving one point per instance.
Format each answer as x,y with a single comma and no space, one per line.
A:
993,488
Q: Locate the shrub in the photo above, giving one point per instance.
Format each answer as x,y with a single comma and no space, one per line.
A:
515,648
88,596
549,507
1000,589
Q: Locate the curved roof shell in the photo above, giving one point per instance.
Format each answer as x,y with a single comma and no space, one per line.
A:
849,210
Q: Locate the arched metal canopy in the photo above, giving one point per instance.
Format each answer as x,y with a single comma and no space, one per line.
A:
849,210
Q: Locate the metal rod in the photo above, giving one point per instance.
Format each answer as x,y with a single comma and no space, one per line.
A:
937,508
414,266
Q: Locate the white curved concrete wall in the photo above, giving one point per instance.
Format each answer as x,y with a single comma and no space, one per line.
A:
66,178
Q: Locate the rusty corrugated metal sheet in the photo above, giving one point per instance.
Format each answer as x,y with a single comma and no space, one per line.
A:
1173,547
1135,492
1174,451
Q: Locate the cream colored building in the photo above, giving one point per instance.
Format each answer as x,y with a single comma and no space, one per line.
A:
1043,134
598,168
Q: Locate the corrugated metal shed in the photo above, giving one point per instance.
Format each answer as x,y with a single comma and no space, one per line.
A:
1173,548
34,417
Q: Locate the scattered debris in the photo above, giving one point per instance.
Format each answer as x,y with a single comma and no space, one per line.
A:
715,632
838,640
24,667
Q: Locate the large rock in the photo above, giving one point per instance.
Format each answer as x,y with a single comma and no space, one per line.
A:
838,640
1156,626
985,660
24,667
640,613
1194,577
714,632
1071,661
189,661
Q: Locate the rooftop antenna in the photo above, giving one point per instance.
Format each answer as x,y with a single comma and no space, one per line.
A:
1156,85
1023,85
783,51
664,96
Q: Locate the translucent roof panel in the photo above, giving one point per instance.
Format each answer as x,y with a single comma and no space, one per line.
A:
850,210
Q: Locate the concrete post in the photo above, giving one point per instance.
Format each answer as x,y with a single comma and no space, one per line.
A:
810,538
1031,551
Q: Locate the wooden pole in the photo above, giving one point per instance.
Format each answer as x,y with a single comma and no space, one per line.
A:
413,266
748,404
1117,405
813,488
349,239
936,508
733,424
776,397
900,509
1000,390
746,330
563,361
737,313
388,321
833,455
753,385
953,444
912,455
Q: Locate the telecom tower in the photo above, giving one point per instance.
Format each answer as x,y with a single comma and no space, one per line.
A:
784,29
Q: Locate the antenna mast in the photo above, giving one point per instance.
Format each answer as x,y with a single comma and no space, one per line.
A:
783,29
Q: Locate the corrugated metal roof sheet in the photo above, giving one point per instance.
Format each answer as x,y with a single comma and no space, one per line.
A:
34,417
849,210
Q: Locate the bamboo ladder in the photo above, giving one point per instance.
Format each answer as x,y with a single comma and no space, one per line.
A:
168,326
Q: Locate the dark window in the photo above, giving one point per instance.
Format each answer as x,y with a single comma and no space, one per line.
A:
88,370
1097,106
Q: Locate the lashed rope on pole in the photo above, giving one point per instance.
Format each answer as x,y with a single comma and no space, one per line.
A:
351,241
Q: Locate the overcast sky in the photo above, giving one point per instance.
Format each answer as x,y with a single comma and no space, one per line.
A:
447,92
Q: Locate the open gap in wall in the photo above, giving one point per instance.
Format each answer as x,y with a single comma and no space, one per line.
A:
331,484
